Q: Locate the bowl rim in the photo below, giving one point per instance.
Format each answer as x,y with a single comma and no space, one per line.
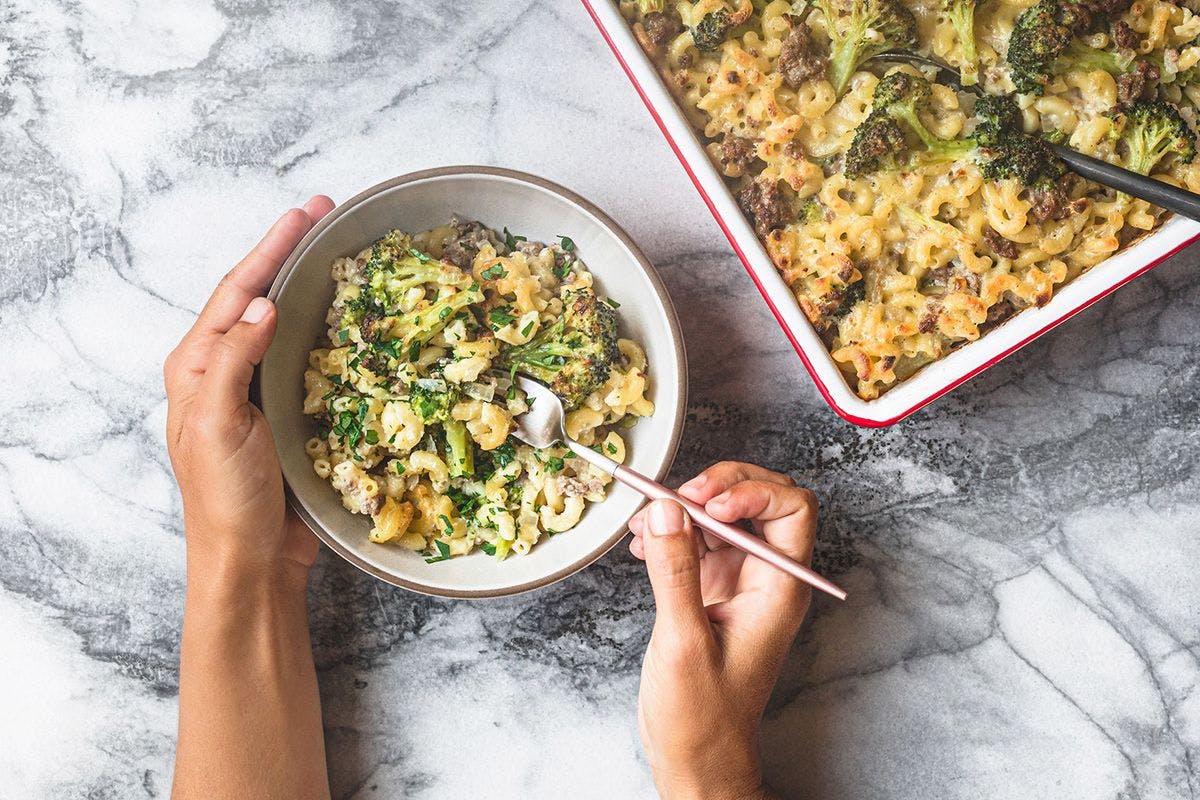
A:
656,282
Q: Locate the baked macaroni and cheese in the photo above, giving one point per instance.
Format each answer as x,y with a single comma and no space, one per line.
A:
906,216
413,396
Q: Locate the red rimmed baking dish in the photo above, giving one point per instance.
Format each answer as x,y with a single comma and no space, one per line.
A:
933,380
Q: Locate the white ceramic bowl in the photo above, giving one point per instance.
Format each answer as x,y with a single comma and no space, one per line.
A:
499,198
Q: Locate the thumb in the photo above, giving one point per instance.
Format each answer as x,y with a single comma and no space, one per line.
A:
674,568
231,362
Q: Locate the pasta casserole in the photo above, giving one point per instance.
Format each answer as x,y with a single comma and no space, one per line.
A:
413,396
907,216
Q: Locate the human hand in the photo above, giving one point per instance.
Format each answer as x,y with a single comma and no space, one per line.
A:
724,623
220,444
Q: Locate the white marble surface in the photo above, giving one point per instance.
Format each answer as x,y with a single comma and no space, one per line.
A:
1021,556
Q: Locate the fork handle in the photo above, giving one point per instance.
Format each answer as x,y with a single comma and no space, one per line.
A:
1156,192
731,534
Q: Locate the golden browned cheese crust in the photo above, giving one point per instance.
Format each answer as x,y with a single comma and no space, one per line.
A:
891,290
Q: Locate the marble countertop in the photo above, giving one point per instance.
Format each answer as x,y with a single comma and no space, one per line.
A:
1021,556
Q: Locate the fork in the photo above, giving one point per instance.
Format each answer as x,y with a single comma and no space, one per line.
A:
1163,195
543,425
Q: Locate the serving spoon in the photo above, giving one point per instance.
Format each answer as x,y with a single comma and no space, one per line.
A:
543,425
1143,187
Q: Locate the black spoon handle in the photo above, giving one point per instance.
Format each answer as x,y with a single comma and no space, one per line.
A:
1163,195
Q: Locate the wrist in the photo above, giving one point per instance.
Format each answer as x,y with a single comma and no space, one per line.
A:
743,788
729,776
218,573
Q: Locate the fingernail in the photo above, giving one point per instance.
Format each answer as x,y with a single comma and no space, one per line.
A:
256,311
665,518
696,482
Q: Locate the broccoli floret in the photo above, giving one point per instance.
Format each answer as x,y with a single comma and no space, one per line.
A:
709,33
1038,38
1043,44
415,327
860,29
961,16
1151,131
883,135
852,295
999,146
810,211
902,96
432,402
997,116
1025,158
876,143
1005,151
574,355
1088,59
393,268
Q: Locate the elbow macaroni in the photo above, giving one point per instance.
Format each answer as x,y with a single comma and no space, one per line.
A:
936,279
390,347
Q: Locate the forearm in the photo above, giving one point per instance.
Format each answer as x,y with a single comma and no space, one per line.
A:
717,789
727,772
249,712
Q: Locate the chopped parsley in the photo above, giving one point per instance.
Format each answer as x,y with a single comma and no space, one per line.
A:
510,240
344,335
446,524
567,243
501,316
426,404
443,551
611,448
528,327
419,256
612,303
493,272
503,455
347,425
414,351
488,548
554,465
466,503
388,347
372,437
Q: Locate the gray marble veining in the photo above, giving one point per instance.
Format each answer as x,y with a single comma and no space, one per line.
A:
1020,556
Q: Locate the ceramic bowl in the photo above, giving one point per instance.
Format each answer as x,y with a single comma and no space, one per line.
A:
499,198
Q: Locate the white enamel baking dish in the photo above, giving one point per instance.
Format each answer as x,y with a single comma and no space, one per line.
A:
934,380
